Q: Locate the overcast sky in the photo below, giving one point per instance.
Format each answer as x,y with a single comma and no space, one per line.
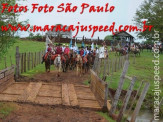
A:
123,14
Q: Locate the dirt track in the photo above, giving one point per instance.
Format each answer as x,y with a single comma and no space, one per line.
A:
68,77
30,113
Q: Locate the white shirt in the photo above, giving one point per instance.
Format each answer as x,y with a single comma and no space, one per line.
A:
101,52
63,48
97,51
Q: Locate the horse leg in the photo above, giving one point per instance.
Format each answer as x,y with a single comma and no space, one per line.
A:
77,68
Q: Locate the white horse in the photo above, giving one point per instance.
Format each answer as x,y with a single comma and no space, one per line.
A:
58,64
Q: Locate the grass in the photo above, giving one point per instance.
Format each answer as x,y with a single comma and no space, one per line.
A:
24,46
6,109
105,115
143,69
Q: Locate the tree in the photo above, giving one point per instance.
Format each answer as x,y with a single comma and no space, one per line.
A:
108,37
6,39
152,11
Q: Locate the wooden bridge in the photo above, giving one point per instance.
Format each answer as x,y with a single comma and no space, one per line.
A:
81,96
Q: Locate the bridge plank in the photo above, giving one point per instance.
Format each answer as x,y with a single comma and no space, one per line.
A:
92,104
72,95
65,95
30,92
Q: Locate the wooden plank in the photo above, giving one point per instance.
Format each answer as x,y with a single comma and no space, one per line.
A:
72,95
8,97
119,89
6,84
47,100
108,105
89,104
139,103
126,99
65,95
50,91
30,92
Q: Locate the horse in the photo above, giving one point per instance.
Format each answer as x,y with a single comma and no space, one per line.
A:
72,61
79,64
47,61
90,61
58,64
135,51
120,51
149,47
65,62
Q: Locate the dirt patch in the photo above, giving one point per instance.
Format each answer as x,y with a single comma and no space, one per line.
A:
30,113
68,77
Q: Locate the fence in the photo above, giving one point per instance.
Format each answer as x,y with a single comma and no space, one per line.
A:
27,61
100,89
6,77
105,68
108,66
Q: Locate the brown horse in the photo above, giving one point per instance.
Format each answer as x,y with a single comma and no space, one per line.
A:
72,61
79,64
120,51
47,61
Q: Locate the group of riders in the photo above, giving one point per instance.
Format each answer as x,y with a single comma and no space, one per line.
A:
135,48
71,56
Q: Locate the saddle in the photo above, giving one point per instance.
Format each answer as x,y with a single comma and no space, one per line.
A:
52,56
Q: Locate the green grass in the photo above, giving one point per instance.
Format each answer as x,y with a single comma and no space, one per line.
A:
6,109
24,46
105,115
143,69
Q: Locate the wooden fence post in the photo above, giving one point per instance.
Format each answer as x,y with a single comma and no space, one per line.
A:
17,63
105,66
133,101
119,89
32,59
35,60
115,64
126,99
25,62
139,103
22,58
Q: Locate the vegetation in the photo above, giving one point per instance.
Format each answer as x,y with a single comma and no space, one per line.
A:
6,37
6,109
152,10
24,46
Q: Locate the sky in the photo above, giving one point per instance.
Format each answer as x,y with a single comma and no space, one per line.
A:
123,14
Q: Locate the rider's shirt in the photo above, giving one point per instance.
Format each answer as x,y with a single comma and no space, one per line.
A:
59,50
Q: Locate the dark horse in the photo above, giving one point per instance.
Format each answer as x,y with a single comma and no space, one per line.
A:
65,62
47,61
120,51
72,61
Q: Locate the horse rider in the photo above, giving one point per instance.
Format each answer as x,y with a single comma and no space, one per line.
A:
118,46
63,47
67,51
97,50
59,49
102,51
